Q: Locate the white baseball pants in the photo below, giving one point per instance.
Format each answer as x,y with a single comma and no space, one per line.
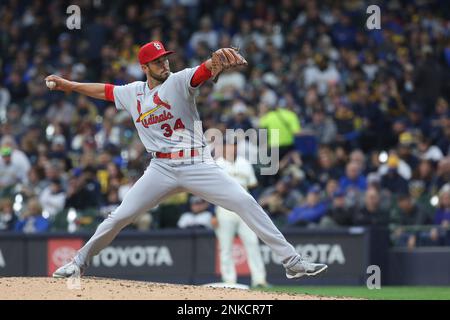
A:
207,180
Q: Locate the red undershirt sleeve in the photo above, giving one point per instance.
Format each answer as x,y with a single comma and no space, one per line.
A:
201,75
109,95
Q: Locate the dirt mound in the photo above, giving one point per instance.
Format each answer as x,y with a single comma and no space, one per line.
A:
91,288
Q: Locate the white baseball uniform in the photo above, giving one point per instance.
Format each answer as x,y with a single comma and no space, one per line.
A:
167,120
230,224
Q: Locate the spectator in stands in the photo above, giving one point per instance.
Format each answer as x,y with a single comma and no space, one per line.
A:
406,150
373,120
230,83
5,99
108,135
10,173
35,182
371,214
442,216
115,175
58,152
393,100
421,195
417,120
61,111
443,142
341,158
133,176
198,217
291,164
442,175
325,169
83,190
321,73
439,119
353,179
438,235
32,220
52,199
322,127
17,156
85,138
407,213
52,170
16,87
85,109
206,34
344,117
7,216
169,211
287,124
331,189
425,174
392,180
428,78
239,119
112,202
338,214
357,156
428,151
311,212
395,162
278,201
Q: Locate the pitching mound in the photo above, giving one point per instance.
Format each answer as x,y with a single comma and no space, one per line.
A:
107,289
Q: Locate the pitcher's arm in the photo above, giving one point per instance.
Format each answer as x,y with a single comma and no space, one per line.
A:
94,90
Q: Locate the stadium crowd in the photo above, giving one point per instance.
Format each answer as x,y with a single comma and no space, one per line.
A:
363,115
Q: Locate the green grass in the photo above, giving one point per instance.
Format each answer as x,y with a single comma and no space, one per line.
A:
385,293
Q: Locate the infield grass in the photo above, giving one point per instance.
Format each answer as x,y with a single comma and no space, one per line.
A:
385,293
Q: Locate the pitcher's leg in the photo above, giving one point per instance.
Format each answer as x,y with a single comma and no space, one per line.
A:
213,184
156,183
255,261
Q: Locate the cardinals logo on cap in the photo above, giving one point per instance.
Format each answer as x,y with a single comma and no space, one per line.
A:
152,51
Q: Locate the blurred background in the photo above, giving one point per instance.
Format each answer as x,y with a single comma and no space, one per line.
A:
365,142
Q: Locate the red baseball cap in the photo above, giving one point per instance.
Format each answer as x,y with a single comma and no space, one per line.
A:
152,51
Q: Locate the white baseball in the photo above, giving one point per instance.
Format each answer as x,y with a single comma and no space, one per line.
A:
50,84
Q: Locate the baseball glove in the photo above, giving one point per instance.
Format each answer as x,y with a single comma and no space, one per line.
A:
224,59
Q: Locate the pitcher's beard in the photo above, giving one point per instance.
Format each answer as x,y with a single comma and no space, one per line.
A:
160,78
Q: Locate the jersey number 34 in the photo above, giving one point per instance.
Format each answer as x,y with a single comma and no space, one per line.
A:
168,131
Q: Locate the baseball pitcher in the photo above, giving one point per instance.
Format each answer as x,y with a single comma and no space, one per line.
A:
164,112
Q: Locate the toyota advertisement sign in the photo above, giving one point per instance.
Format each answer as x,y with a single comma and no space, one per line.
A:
189,256
60,252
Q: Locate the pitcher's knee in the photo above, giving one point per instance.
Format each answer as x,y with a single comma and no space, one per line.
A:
243,201
119,220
